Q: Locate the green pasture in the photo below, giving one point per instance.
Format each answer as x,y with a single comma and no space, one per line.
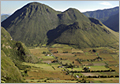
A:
105,80
47,57
45,67
75,69
98,68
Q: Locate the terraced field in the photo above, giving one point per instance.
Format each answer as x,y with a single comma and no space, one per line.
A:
64,64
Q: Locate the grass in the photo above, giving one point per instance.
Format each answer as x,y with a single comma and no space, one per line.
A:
60,81
98,68
87,63
45,67
38,50
75,69
109,73
48,57
100,63
65,61
106,80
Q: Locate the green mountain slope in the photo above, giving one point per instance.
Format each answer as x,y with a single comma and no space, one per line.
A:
3,17
9,72
92,34
12,54
16,50
36,24
71,15
113,22
31,23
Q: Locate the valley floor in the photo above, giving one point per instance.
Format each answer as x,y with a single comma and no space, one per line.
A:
64,64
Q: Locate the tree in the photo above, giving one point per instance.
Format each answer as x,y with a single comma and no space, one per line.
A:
73,62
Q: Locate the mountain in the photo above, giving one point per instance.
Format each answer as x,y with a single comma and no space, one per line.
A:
113,22
92,34
110,17
31,23
36,24
12,54
3,17
102,15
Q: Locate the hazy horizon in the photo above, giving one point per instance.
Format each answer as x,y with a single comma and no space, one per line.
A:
9,7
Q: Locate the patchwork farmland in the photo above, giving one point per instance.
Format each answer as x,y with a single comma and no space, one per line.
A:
64,64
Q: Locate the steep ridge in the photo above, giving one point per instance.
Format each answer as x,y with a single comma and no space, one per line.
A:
16,50
9,72
31,23
12,54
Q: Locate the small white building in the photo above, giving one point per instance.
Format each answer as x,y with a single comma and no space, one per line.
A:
77,76
48,54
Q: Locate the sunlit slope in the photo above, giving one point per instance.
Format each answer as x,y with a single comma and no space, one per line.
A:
88,34
31,23
12,54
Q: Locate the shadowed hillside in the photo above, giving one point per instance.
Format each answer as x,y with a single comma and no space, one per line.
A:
102,15
113,22
109,17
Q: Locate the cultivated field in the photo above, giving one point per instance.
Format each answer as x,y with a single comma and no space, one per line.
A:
64,64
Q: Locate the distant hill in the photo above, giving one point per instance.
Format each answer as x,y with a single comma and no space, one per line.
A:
102,15
105,15
3,17
12,54
34,23
113,22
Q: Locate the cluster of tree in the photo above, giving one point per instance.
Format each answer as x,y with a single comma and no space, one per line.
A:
76,53
83,81
102,76
68,65
55,52
93,50
97,58
45,52
89,60
63,58
87,70
53,61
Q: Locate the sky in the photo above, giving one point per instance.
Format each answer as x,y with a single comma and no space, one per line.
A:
9,7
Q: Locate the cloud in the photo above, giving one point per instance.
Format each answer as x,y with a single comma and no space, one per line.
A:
106,3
